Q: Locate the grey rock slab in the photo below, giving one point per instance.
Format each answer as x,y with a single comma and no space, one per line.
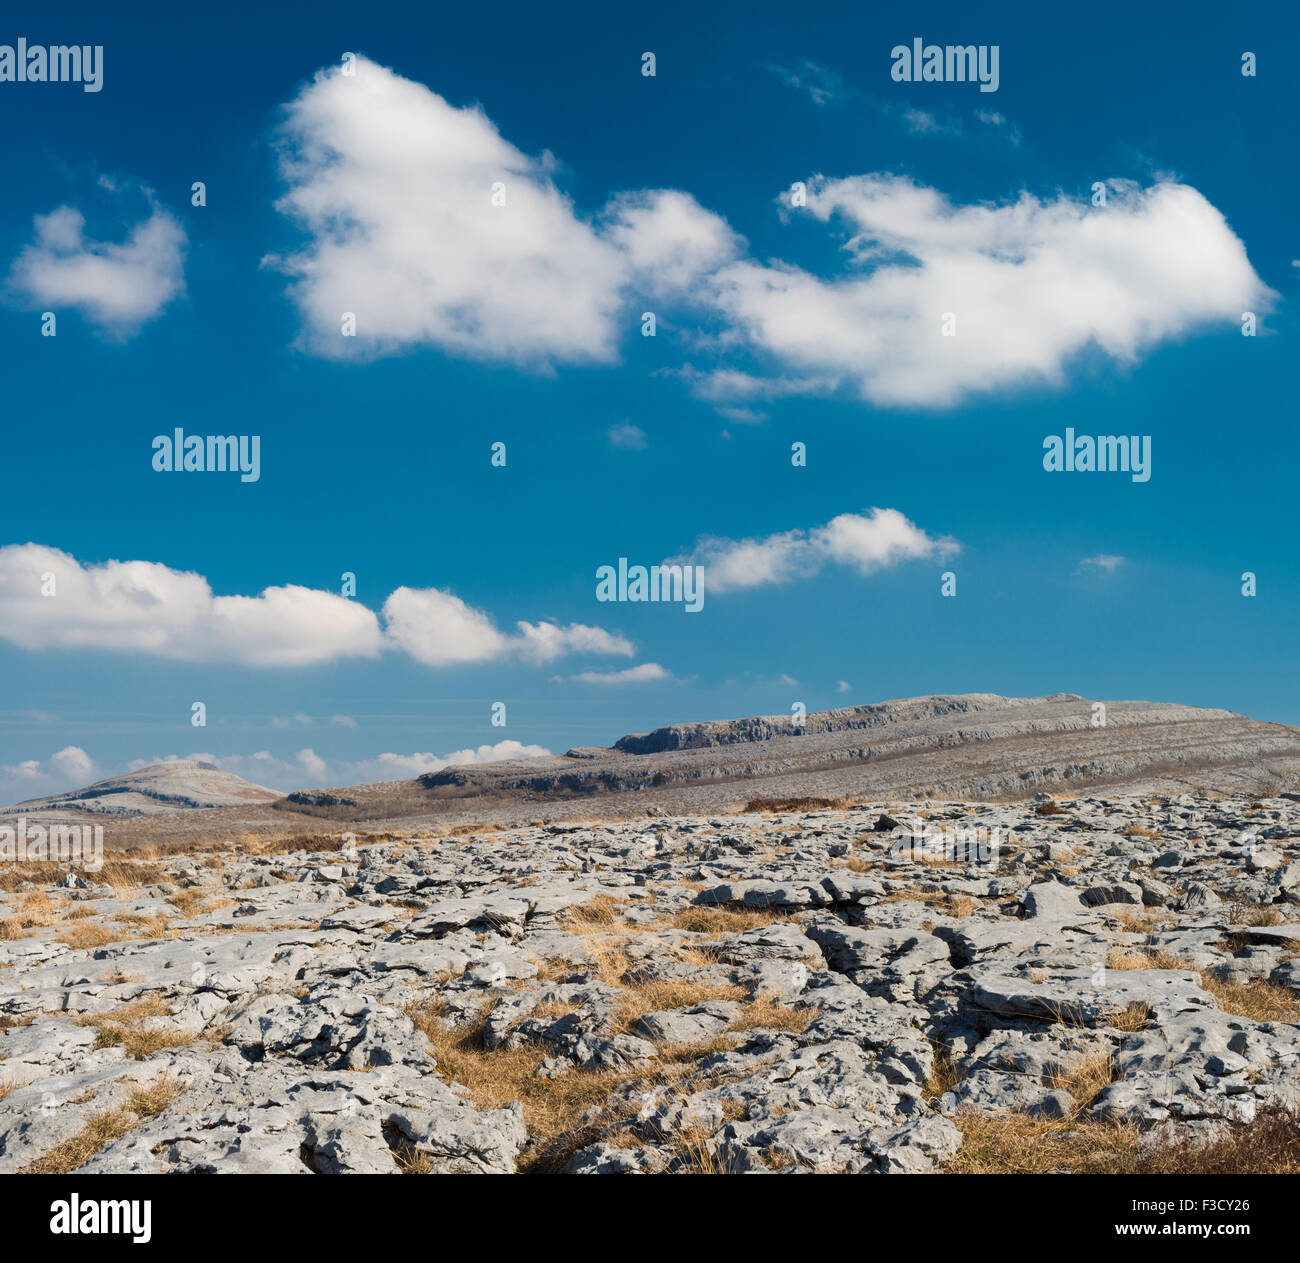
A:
1080,997
690,1025
1052,901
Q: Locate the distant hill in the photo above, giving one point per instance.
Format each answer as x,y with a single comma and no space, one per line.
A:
180,785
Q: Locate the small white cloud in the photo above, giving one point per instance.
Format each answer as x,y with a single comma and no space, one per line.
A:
69,768
668,239
312,764
628,437
866,543
544,642
387,767
646,673
844,687
118,286
73,763
343,721
1104,561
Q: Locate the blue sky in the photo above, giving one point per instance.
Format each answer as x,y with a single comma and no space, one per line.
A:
777,324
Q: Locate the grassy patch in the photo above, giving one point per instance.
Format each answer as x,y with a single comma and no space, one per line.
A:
103,1128
121,1028
706,920
599,913
1017,1144
796,804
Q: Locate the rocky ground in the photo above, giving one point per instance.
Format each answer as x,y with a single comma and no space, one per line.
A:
869,988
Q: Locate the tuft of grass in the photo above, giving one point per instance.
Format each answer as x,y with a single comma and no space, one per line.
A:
944,1075
1134,1017
121,1028
1242,913
766,1013
84,936
599,913
961,905
1086,1079
673,993
103,1128
703,920
188,901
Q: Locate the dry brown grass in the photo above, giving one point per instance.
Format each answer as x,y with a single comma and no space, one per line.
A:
766,1013
463,830
1264,914
1086,1079
409,1159
673,993
1258,1000
189,901
555,1109
1141,920
121,1028
103,1128
1133,1017
774,805
944,1075
142,925
1138,831
722,920
1017,1144
599,913
83,936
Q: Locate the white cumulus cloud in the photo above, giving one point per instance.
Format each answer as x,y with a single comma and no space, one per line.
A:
646,673
117,285
69,768
432,228
393,186
880,539
50,600
147,607
1029,284
438,629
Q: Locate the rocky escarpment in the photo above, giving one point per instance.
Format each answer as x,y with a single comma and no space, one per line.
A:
970,746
